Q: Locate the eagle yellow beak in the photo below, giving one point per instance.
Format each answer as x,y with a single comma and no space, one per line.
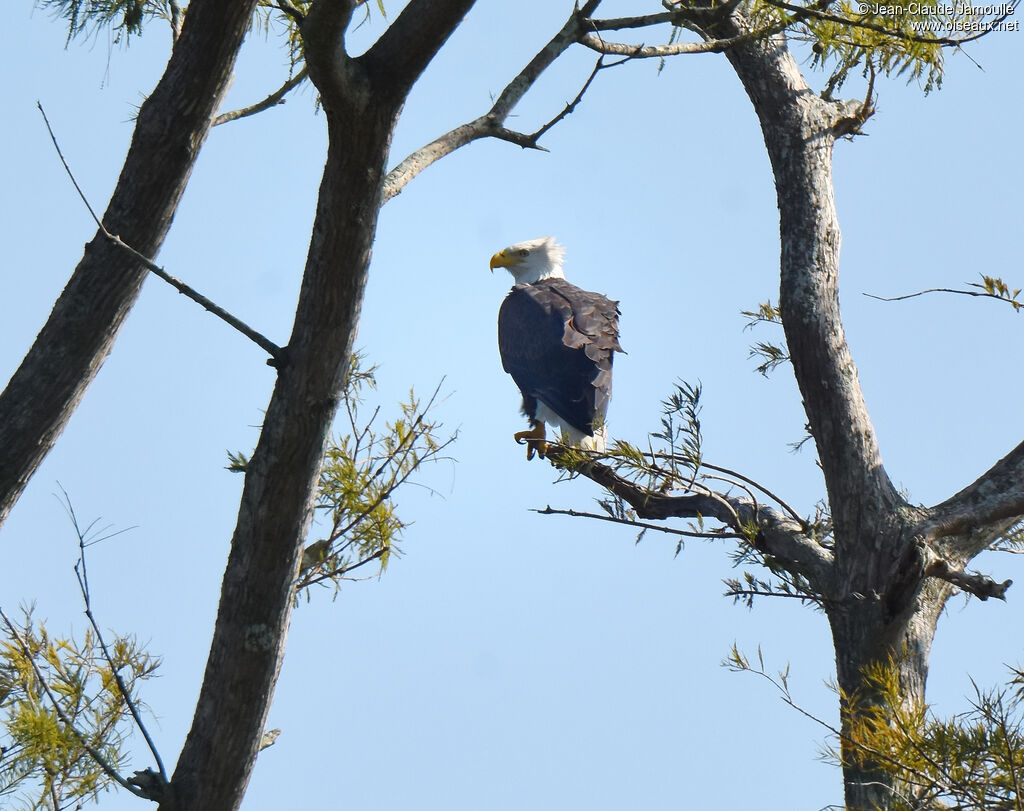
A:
502,260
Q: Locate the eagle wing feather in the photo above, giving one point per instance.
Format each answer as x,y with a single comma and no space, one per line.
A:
557,342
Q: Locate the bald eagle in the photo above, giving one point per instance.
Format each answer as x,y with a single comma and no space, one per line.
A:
557,341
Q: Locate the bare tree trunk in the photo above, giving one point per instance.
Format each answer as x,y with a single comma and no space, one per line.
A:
172,125
876,605
362,99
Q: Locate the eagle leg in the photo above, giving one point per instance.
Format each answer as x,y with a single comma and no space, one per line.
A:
534,439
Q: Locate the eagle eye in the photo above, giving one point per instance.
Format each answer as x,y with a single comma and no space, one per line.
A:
523,252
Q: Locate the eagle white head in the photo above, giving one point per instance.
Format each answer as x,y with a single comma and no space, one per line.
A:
531,261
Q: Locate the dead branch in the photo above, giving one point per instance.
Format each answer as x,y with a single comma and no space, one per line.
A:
491,124
981,586
275,98
786,540
549,510
276,352
82,573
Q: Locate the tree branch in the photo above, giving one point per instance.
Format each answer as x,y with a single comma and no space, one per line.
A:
549,510
996,496
777,535
275,98
978,293
981,586
81,572
259,339
596,43
491,124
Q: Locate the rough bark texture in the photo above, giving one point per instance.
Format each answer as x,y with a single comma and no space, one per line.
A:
77,337
880,604
361,98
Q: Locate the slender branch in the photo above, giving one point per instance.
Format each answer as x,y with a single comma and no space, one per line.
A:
792,513
275,98
751,593
81,572
976,293
93,753
276,352
777,535
572,105
491,124
596,43
640,524
739,664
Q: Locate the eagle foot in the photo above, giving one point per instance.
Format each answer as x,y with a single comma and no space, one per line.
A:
535,441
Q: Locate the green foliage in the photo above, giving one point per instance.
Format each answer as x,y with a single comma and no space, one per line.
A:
44,758
123,17
361,472
237,462
770,355
972,760
897,38
271,14
997,288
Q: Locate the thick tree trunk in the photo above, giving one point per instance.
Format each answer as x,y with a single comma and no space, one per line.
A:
77,337
280,483
361,99
877,606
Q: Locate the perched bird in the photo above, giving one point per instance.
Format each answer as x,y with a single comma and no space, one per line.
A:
557,341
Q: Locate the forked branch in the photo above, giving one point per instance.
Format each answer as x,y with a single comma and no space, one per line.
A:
790,542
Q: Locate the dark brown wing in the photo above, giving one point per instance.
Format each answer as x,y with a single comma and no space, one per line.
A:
557,341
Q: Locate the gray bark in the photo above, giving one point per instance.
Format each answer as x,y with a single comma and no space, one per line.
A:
171,127
881,604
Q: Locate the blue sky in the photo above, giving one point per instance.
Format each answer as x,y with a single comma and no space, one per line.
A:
510,660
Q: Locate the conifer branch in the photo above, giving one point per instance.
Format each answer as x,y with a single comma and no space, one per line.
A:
276,352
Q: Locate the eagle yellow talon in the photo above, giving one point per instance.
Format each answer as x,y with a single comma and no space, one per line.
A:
534,439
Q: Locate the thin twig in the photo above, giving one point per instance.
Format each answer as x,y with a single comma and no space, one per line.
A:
811,598
276,352
976,293
572,105
275,98
491,123
792,513
641,524
81,572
